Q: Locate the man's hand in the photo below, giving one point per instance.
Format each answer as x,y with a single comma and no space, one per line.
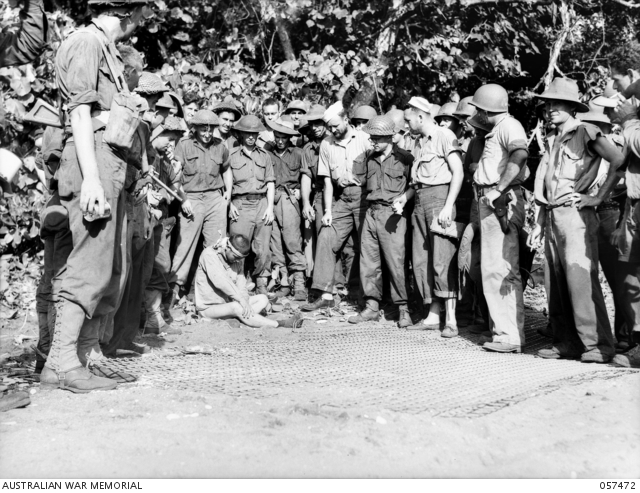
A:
444,218
615,237
490,197
233,213
581,201
327,219
308,212
92,199
268,216
399,203
187,208
534,241
626,109
247,310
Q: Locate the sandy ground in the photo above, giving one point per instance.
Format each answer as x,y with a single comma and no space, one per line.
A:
591,430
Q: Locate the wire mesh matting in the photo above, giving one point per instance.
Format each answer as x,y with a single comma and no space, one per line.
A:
371,365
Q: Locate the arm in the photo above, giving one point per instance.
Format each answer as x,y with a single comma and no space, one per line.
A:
24,46
328,201
305,186
517,160
271,193
92,198
227,177
609,152
454,160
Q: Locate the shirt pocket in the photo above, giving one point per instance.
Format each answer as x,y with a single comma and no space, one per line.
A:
572,163
240,170
260,168
359,169
190,166
394,180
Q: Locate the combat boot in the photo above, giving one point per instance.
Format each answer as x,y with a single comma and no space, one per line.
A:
299,288
404,318
78,380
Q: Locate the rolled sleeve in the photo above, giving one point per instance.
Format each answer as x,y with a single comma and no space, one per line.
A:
514,138
269,175
83,62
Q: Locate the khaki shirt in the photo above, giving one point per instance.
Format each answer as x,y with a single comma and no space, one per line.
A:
507,136
82,73
337,157
387,180
411,143
310,159
202,166
217,281
570,165
287,168
230,142
430,166
631,152
251,171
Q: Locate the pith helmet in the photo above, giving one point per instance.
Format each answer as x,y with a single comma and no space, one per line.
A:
150,84
382,126
563,89
491,97
295,105
465,108
364,112
249,124
398,119
205,117
447,109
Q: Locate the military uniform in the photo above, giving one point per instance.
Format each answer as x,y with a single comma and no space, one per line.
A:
252,171
384,231
286,234
202,182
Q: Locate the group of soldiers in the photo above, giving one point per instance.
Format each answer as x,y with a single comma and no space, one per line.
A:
427,200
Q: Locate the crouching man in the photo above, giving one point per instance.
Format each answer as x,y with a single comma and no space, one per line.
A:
220,286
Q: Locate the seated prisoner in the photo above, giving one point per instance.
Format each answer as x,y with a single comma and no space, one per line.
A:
220,286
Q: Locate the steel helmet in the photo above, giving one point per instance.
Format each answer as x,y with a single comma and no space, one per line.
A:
465,109
447,109
398,119
364,112
382,126
491,97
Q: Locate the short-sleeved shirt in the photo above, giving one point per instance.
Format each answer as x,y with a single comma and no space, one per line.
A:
506,137
251,170
202,166
82,73
310,160
631,152
411,143
387,179
430,166
337,157
229,141
287,168
571,165
218,281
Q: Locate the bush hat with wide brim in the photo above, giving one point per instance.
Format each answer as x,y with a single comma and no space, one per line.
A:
224,106
249,124
283,127
595,115
563,89
295,105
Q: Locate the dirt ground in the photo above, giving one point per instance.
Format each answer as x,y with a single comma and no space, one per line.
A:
591,430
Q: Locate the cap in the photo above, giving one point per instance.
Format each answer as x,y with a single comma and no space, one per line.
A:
420,104
282,126
364,112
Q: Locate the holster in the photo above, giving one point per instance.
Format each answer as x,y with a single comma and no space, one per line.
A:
501,208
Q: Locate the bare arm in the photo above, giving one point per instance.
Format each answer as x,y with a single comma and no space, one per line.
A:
227,177
92,198
516,162
327,218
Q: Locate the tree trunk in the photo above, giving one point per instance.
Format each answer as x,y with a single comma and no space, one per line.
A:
283,35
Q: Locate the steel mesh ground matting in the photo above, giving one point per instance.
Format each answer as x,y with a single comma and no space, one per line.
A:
373,365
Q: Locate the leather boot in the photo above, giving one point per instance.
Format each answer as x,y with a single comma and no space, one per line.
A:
44,341
69,319
153,306
89,349
366,315
78,380
299,288
404,318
